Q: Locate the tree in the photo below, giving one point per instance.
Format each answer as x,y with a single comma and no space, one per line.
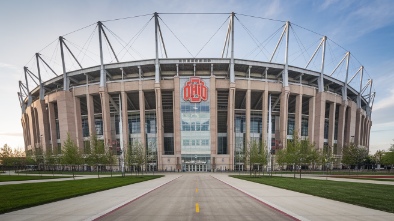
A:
6,157
135,156
97,156
70,154
257,156
353,155
378,156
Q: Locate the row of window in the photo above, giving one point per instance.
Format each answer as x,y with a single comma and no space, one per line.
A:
195,142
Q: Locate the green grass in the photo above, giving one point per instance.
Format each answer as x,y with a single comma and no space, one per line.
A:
5,178
374,196
19,196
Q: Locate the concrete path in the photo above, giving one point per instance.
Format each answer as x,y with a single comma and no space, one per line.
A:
88,207
303,206
298,205
196,196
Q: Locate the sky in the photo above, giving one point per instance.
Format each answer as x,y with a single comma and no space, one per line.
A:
363,27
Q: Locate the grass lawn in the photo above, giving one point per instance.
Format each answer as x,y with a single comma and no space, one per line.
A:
19,196
374,196
4,178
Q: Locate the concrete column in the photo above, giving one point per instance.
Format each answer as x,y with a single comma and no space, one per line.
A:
52,126
230,124
341,126
142,114
369,125
358,132
91,121
160,126
320,114
66,115
42,120
78,122
177,117
331,124
30,112
177,122
350,123
213,121
362,131
284,114
213,115
298,115
125,126
311,120
105,113
265,115
247,117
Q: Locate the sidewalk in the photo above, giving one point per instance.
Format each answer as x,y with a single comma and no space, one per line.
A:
303,206
90,206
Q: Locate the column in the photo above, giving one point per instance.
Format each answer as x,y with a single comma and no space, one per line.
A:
350,123
247,117
284,114
358,133
105,113
42,116
91,121
298,115
320,115
66,116
52,126
142,114
125,126
311,120
331,124
230,124
341,127
213,118
177,117
265,116
160,126
78,122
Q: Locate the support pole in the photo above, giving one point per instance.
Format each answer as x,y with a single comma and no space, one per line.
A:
232,75
121,136
157,65
42,90
66,84
285,73
344,92
269,143
361,86
321,77
29,99
102,71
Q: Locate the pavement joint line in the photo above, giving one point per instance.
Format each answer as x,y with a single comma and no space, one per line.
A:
267,203
123,204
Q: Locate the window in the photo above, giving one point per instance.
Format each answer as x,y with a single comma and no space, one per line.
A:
168,146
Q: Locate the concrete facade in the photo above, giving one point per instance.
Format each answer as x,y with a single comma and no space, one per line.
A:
48,122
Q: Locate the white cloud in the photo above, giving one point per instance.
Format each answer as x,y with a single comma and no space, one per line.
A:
385,102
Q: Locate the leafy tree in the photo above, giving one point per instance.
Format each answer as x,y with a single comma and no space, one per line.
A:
257,156
280,156
70,154
110,157
97,156
135,156
6,155
353,155
378,156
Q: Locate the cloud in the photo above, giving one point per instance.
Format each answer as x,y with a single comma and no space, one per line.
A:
385,102
14,134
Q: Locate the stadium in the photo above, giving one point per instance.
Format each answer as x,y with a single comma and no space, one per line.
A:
196,113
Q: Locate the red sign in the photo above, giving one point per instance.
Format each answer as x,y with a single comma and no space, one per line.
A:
195,90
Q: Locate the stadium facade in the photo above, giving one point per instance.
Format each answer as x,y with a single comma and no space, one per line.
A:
195,114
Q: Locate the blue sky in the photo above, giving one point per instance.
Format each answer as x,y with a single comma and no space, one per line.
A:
365,28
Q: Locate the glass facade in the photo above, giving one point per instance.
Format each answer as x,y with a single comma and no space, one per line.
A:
195,125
